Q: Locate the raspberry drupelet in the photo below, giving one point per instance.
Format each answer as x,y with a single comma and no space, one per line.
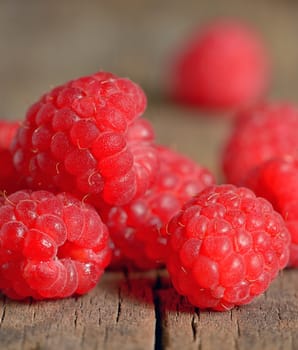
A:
225,247
75,139
10,181
51,246
260,133
222,66
137,228
277,181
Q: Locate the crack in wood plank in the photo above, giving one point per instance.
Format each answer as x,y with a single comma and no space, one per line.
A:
75,320
178,320
119,305
158,333
3,312
194,325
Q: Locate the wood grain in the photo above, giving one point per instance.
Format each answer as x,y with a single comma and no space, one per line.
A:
138,311
119,312
270,322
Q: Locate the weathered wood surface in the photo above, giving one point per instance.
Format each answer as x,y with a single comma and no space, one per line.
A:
119,313
139,311
270,322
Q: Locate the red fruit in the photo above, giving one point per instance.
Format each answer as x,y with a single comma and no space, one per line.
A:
10,181
277,180
225,247
222,66
80,138
262,132
136,229
41,256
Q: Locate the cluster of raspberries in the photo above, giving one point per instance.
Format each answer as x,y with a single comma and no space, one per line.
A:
84,186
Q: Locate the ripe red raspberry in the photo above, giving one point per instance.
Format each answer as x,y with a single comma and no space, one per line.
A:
10,181
78,138
261,133
136,228
225,247
223,66
51,246
277,181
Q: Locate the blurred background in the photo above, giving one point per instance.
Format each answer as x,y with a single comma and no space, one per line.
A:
45,43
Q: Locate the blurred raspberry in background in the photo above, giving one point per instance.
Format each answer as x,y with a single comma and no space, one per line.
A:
221,66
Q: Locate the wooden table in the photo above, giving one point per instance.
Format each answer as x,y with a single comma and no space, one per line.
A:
46,43
133,311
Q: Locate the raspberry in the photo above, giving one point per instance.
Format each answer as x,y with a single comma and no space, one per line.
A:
276,180
223,66
10,181
77,138
225,247
261,133
51,246
136,229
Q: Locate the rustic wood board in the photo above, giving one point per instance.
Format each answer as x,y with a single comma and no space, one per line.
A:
119,312
270,322
138,311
